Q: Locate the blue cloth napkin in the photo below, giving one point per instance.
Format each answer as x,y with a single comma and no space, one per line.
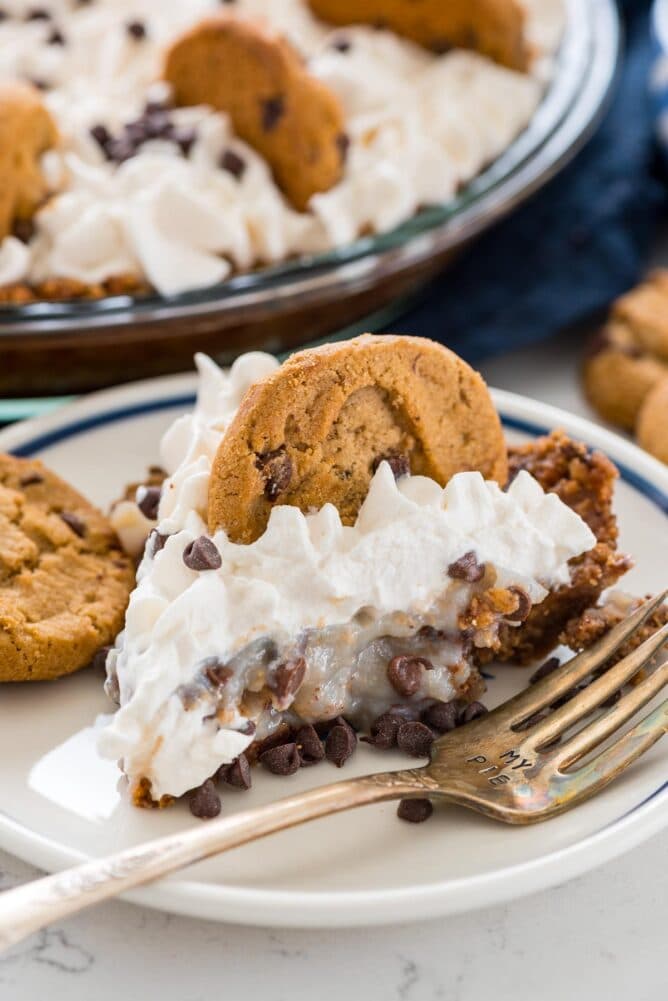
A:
576,245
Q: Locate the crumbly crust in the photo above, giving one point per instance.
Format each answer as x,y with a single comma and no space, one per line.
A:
254,75
493,27
64,581
314,431
65,289
584,480
585,629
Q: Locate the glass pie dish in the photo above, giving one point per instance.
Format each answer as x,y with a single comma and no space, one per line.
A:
53,347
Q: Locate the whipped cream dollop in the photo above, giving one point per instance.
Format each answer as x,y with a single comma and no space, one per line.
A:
420,125
306,572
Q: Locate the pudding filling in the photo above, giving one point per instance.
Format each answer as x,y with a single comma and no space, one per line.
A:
225,643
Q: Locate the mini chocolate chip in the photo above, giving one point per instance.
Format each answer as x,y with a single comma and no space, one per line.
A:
398,461
309,745
281,760
237,774
415,811
276,467
273,109
544,670
202,555
56,38
442,716
38,14
405,673
148,501
282,735
340,744
135,132
23,230
343,145
74,522
205,802
415,739
288,677
473,711
217,673
384,731
524,604
233,164
31,479
157,125
99,661
120,150
101,135
341,43
185,138
158,541
136,29
467,568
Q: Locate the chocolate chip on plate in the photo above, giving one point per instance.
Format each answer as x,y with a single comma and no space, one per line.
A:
415,811
309,745
237,774
398,461
281,760
442,716
201,554
148,499
415,739
405,673
467,568
544,670
288,678
74,522
233,164
205,802
473,711
273,109
340,744
384,731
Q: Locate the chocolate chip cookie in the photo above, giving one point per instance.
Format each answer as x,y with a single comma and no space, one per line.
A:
316,429
493,27
652,428
26,131
64,581
254,75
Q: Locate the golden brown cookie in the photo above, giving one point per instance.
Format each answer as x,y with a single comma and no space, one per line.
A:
253,74
493,27
26,131
652,428
64,581
618,374
644,311
316,429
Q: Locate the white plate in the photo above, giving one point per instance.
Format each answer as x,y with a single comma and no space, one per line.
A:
59,804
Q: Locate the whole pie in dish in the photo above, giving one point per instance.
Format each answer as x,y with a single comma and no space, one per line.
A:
339,545
171,144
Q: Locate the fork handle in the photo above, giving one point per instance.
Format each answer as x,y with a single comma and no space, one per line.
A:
28,908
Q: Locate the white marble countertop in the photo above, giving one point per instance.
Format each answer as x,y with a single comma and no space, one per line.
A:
598,938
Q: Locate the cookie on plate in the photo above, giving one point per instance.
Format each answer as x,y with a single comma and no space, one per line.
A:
64,581
26,131
493,27
652,427
315,431
254,75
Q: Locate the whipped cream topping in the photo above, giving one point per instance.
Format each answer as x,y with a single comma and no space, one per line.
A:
420,126
307,572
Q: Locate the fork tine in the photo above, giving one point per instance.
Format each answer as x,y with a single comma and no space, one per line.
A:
599,730
611,762
586,701
564,678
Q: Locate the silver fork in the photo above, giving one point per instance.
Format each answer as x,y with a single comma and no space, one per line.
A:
505,765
